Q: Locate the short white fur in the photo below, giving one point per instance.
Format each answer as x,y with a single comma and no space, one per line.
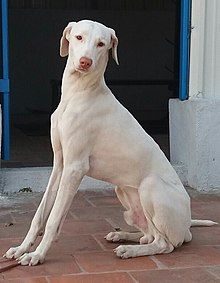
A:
93,134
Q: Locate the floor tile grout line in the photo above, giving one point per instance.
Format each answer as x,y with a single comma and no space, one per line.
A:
93,251
79,265
108,271
91,203
111,222
97,273
88,201
31,277
69,235
158,263
35,205
73,215
90,273
188,267
132,277
97,240
213,273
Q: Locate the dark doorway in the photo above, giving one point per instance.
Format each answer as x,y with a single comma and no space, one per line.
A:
145,80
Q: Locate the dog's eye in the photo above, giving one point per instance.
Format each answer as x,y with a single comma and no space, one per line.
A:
100,44
79,37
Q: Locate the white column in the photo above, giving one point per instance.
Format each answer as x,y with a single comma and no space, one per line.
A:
197,48
204,52
195,123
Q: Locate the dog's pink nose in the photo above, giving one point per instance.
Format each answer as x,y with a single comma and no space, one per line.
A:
85,63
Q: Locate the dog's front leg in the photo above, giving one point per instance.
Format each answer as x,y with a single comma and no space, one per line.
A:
69,183
43,210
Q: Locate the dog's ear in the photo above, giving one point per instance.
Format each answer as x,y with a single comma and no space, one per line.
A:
114,44
64,41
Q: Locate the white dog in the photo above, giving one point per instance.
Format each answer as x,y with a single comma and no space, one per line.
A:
93,134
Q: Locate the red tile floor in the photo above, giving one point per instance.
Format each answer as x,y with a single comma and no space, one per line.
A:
82,254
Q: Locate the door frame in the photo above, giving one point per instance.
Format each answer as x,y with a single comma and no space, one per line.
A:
184,53
4,84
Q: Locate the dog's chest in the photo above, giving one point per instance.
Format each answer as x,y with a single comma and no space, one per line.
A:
71,117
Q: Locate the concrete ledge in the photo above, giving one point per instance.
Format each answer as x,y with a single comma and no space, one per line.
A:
194,142
14,179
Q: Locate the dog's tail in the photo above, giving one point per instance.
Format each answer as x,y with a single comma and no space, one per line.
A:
197,222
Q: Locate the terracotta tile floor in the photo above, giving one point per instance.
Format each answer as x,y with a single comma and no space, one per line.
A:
82,254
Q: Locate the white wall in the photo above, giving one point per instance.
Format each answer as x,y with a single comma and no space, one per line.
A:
195,123
195,142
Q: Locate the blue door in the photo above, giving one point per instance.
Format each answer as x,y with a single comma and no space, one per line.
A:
4,83
185,30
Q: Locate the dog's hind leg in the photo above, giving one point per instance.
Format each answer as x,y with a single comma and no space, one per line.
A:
46,204
158,246
167,206
133,215
167,209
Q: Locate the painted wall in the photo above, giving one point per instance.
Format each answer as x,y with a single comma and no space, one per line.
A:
143,54
194,142
195,123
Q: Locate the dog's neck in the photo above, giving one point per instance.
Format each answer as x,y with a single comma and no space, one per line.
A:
75,83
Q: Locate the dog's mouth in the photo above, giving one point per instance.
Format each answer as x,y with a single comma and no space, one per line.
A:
81,70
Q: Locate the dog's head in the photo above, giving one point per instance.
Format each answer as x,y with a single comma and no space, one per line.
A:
88,43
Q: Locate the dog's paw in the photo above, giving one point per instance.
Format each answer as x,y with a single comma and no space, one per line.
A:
146,239
125,251
15,252
32,258
114,237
